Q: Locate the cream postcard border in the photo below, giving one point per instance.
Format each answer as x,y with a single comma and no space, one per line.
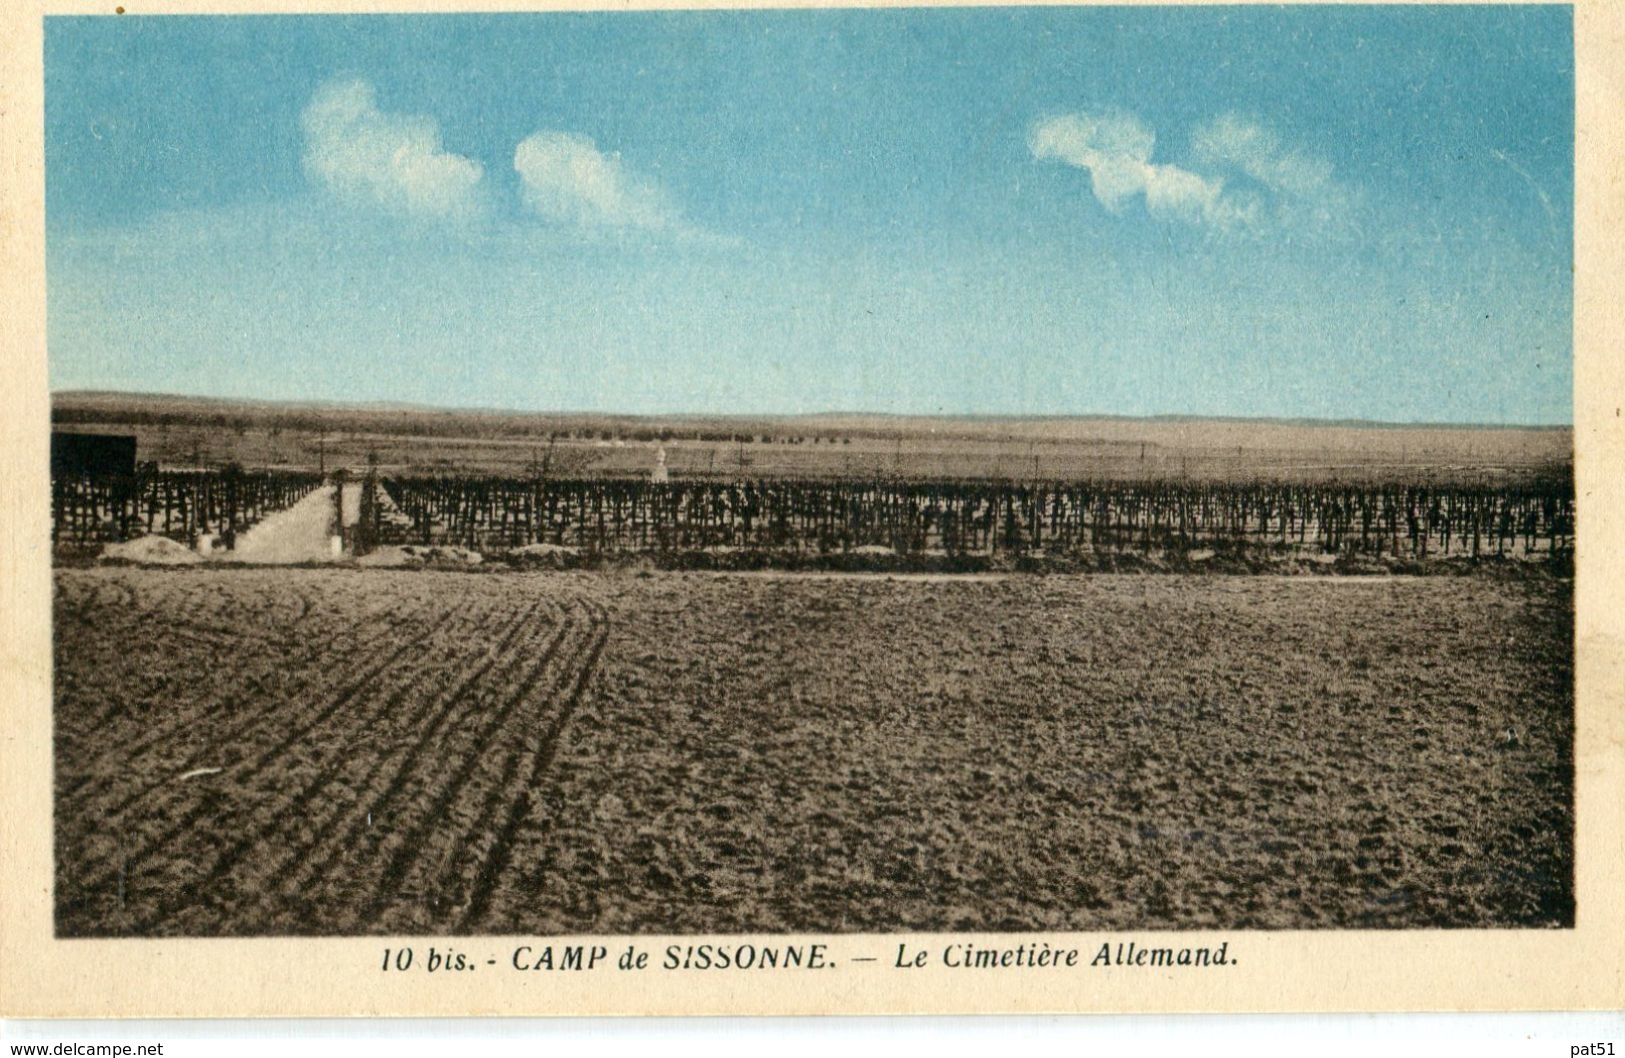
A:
1582,968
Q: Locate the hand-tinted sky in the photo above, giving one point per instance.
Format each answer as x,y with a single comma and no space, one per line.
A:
1329,212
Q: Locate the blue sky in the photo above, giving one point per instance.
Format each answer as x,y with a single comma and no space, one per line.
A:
1336,212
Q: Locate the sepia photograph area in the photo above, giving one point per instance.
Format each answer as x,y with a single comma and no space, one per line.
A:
818,471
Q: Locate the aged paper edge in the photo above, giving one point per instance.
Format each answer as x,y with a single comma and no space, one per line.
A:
1577,969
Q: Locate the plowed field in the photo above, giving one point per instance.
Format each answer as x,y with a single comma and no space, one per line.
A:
305,751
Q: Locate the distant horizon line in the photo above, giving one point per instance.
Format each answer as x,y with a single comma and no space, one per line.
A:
1159,417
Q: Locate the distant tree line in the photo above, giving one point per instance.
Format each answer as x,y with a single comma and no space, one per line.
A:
420,424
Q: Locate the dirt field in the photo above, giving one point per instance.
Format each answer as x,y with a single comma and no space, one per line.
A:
297,751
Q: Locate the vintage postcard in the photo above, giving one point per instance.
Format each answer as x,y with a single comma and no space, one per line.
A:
812,509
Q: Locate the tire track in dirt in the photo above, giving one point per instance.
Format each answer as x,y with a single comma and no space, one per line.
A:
495,863
71,592
104,590
240,606
291,813
359,635
404,772
125,596
123,756
104,603
106,745
255,723
239,619
413,861
302,608
407,851
95,881
249,629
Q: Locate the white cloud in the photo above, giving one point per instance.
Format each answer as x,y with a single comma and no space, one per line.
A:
1115,150
1237,143
393,161
1304,195
566,178
1241,175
